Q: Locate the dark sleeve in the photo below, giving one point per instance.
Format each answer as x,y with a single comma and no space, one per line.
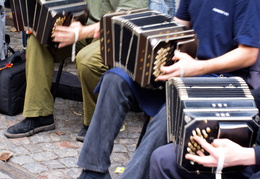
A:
182,12
246,28
256,93
257,154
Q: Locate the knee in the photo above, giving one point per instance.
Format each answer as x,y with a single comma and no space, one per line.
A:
157,156
162,156
85,64
82,57
112,78
83,70
32,40
114,82
90,65
33,47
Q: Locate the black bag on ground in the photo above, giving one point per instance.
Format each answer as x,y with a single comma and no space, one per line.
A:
12,84
69,86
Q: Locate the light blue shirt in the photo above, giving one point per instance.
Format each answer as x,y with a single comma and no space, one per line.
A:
164,6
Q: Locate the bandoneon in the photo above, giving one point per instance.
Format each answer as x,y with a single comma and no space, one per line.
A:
212,108
42,16
140,41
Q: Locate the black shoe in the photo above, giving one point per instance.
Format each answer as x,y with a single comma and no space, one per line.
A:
85,174
82,133
30,126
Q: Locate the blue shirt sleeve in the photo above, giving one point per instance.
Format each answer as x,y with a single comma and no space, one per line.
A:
248,24
221,26
257,154
182,12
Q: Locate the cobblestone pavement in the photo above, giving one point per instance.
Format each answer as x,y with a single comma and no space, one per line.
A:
53,154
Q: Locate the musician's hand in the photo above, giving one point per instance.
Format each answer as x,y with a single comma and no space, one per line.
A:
184,66
233,153
66,35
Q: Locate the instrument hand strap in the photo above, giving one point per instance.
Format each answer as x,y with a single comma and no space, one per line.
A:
76,32
220,163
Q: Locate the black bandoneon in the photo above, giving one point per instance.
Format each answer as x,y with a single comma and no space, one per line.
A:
212,108
141,41
42,16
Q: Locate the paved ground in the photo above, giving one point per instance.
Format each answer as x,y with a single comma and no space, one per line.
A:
53,154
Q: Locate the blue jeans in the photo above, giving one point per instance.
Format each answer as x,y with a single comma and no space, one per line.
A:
114,101
164,6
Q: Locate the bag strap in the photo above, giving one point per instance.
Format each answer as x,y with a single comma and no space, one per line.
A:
10,61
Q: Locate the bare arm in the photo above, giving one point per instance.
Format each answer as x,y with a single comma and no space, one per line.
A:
241,57
182,22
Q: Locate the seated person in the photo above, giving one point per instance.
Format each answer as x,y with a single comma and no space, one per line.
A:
163,160
39,102
229,42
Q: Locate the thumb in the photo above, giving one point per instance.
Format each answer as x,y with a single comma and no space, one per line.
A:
179,55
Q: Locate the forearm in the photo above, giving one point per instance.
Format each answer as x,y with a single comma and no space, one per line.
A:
239,58
246,157
89,31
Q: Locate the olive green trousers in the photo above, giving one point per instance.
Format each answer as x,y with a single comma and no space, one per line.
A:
40,61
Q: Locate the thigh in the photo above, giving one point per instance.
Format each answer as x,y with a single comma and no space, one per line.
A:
90,57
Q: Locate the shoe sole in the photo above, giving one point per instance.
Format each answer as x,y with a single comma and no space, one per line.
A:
31,132
79,138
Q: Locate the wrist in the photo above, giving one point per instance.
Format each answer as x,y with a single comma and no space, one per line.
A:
84,33
247,157
203,67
